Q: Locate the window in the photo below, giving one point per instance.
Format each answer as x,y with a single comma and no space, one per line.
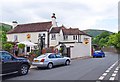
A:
28,49
52,56
58,56
65,37
6,56
74,37
53,36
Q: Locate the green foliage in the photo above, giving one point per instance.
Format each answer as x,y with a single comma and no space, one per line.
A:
7,47
114,40
3,37
5,27
102,39
21,46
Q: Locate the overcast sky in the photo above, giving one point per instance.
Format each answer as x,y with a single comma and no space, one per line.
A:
82,14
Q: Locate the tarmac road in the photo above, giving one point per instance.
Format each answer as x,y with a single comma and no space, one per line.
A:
80,69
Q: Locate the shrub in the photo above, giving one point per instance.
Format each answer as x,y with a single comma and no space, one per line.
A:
21,46
7,47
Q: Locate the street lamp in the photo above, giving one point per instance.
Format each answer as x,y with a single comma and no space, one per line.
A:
41,42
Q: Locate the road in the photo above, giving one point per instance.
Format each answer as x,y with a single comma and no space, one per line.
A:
80,69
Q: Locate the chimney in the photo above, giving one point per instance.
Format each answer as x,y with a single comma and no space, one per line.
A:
14,24
54,23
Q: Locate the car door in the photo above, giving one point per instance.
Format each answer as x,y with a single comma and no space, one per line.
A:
60,59
8,63
53,59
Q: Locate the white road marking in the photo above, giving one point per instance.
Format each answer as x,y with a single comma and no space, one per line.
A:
115,71
112,78
104,74
108,70
114,74
101,78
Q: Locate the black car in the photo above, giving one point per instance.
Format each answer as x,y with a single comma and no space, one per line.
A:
12,64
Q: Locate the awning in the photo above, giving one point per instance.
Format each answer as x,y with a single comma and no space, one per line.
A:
28,43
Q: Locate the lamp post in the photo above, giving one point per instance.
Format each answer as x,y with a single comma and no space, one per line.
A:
41,42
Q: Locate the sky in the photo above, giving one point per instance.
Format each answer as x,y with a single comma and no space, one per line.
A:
82,14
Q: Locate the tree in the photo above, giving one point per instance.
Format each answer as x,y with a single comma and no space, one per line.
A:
7,47
102,39
3,37
114,40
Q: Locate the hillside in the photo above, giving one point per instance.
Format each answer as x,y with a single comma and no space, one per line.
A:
5,27
95,32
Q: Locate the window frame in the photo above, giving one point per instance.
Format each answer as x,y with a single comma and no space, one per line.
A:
65,37
75,37
53,36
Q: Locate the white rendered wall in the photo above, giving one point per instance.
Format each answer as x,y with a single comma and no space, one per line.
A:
23,36
80,50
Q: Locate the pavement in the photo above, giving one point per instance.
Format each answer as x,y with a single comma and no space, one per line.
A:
80,69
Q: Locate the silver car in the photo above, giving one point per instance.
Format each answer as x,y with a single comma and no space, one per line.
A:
50,59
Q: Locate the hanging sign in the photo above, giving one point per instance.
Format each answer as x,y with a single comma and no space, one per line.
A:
86,40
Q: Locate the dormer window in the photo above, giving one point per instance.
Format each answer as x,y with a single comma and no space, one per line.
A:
53,37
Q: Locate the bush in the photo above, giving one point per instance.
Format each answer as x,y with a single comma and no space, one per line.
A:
7,47
21,46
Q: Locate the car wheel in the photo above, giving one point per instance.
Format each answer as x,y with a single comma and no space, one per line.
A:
67,62
50,65
94,57
23,69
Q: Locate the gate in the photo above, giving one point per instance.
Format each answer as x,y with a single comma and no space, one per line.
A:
68,52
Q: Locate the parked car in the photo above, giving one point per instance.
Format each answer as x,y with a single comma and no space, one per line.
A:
98,53
50,59
11,64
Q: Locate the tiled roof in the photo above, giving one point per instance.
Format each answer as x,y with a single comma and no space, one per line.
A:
31,27
83,33
71,31
74,31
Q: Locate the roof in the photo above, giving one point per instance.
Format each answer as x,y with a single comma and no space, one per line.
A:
71,31
31,27
57,29
83,33
74,31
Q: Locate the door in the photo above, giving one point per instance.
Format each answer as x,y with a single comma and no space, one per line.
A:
60,59
68,52
8,63
53,59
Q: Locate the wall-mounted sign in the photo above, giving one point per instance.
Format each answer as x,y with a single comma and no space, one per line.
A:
86,40
28,36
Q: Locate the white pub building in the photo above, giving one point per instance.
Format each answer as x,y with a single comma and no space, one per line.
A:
79,41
